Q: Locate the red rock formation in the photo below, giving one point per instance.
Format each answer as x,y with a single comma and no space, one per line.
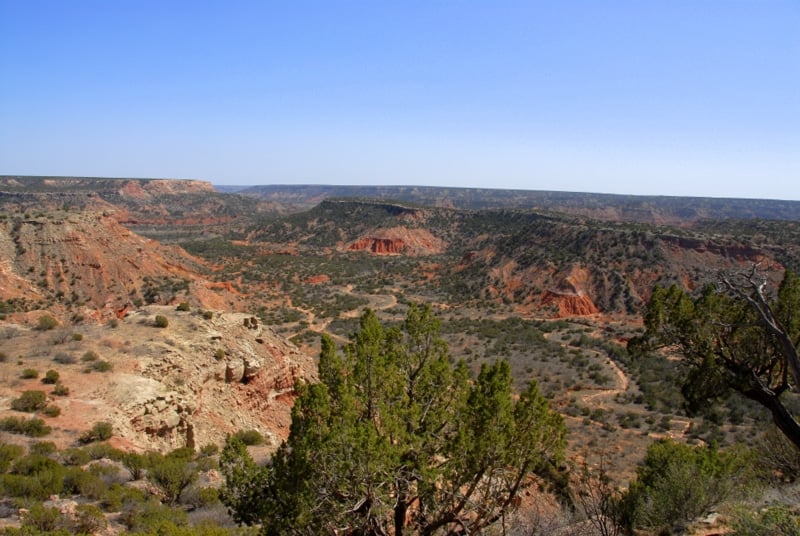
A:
380,246
570,304
89,257
398,241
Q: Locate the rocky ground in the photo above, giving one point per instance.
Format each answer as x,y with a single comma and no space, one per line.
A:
202,376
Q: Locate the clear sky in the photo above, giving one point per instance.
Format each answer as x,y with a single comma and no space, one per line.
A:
667,97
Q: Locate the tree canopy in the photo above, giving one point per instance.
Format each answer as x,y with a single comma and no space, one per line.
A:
396,439
735,336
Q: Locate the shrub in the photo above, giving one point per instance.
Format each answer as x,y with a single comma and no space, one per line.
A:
51,410
90,356
677,483
29,374
249,437
60,389
161,321
99,432
73,456
80,482
118,495
30,401
203,497
183,306
35,477
208,315
3,357
50,377
135,463
172,475
98,451
152,517
211,449
42,448
113,323
42,518
77,337
30,427
776,456
771,521
46,323
64,358
8,453
102,366
89,519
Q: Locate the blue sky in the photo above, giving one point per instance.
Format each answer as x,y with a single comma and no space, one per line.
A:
667,97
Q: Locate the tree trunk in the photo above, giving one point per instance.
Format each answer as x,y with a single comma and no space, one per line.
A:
400,510
780,415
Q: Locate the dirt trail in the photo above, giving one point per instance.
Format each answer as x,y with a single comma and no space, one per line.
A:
377,302
622,384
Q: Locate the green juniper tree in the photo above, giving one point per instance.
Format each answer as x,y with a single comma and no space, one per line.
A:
396,439
734,337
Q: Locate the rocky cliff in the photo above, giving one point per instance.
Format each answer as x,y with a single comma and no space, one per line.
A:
88,264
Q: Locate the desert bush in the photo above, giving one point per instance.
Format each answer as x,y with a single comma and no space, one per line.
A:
208,315
46,323
64,358
151,517
677,483
100,432
161,321
118,496
98,451
90,356
42,448
771,521
42,518
249,437
34,427
89,519
51,410
209,450
777,457
8,453
102,366
77,337
3,357
74,456
34,477
207,496
183,306
30,401
80,482
172,475
29,374
113,323
50,377
135,463
60,389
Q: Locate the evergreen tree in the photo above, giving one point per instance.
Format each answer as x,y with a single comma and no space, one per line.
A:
734,337
396,439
